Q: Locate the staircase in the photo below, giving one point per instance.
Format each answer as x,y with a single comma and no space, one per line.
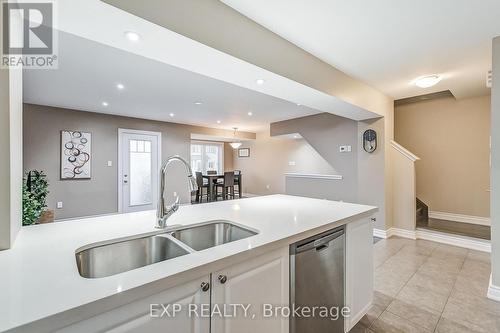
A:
422,212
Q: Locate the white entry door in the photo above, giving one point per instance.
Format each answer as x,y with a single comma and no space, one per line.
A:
139,164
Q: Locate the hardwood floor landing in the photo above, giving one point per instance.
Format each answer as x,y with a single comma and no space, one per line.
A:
456,228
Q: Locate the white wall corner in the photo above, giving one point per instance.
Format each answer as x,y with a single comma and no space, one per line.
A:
493,291
380,233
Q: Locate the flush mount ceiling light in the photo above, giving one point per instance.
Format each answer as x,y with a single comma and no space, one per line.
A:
235,144
171,114
218,121
132,36
427,81
250,113
198,103
120,86
104,103
260,81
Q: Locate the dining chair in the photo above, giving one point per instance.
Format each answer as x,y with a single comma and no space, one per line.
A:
237,181
227,186
201,185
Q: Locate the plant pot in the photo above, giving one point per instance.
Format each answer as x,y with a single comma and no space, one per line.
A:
46,217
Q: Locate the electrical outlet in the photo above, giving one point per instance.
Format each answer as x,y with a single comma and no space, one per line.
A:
59,205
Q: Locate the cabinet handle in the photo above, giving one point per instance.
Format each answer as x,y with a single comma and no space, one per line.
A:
205,286
222,279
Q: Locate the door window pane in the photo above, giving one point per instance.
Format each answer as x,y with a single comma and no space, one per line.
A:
141,189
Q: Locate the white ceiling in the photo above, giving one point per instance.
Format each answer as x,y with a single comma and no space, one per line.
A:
88,73
226,84
389,43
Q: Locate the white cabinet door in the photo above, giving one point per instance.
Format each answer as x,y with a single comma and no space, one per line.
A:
136,316
259,281
359,270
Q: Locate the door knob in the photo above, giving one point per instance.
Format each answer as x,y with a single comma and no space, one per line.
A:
222,279
205,286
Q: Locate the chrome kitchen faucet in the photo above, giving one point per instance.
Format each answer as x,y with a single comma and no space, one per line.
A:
164,212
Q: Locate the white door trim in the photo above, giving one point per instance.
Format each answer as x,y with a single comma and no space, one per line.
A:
122,131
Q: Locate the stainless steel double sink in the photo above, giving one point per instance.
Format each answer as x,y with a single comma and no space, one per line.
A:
119,256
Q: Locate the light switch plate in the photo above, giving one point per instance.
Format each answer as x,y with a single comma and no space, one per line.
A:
291,163
345,149
110,163
59,205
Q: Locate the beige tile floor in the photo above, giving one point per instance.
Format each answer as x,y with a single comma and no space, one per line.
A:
422,286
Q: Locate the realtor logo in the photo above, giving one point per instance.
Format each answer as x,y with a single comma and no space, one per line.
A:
28,36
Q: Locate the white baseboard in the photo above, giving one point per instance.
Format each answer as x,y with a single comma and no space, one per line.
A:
493,292
435,236
455,240
394,232
460,218
403,233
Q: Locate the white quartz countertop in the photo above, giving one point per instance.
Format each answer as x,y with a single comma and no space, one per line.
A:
39,277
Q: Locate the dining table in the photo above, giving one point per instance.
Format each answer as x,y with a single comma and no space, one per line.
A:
212,181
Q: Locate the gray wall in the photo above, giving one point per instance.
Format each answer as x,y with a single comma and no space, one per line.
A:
366,177
99,195
270,157
495,165
374,177
325,133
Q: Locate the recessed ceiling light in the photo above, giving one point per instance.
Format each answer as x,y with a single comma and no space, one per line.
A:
427,81
120,86
132,36
171,114
250,113
104,103
298,104
218,121
198,103
295,136
260,81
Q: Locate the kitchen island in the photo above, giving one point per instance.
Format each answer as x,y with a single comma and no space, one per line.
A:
42,290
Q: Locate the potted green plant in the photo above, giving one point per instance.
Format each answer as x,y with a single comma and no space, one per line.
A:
35,190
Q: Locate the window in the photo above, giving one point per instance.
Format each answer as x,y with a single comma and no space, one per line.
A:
141,187
207,156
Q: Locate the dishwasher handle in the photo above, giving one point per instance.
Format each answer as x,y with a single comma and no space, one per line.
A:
320,243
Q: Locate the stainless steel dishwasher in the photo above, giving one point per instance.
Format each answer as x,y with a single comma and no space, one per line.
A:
317,280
